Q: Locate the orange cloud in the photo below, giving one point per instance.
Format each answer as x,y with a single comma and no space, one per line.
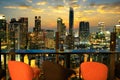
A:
42,3
10,7
18,7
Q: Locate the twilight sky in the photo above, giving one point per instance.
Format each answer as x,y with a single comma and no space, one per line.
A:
93,11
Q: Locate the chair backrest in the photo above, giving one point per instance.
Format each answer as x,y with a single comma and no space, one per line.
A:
53,71
20,71
93,71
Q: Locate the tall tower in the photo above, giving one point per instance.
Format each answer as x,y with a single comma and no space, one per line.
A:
84,29
2,23
3,27
71,20
37,27
59,24
84,32
61,28
101,26
24,31
24,23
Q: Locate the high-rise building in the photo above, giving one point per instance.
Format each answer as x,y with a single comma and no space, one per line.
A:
84,30
117,31
18,32
49,39
101,26
59,24
14,34
84,33
24,22
2,23
61,28
24,31
71,20
37,27
3,27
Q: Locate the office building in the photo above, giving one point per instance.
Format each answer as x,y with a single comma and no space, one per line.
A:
71,21
61,28
49,39
2,23
84,33
117,31
14,34
37,27
18,31
3,28
24,31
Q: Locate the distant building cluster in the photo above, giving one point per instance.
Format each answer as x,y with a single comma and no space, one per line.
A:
15,36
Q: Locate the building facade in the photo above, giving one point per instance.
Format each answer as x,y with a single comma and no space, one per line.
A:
61,28
18,33
37,27
71,20
24,31
117,31
84,33
3,27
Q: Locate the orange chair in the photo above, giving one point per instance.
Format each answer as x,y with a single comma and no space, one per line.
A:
93,71
20,71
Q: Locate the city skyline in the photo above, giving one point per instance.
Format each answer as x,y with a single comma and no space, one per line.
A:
92,11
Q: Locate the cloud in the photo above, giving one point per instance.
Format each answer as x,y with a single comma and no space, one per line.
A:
59,7
75,6
10,7
84,0
30,1
17,7
73,0
41,3
37,10
89,11
23,7
65,3
111,8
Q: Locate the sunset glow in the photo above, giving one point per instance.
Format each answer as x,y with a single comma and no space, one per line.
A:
94,11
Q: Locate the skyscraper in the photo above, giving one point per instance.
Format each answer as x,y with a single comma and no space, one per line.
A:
84,32
84,29
37,27
2,23
18,31
117,31
59,24
24,31
61,28
71,20
3,27
101,26
14,34
24,22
